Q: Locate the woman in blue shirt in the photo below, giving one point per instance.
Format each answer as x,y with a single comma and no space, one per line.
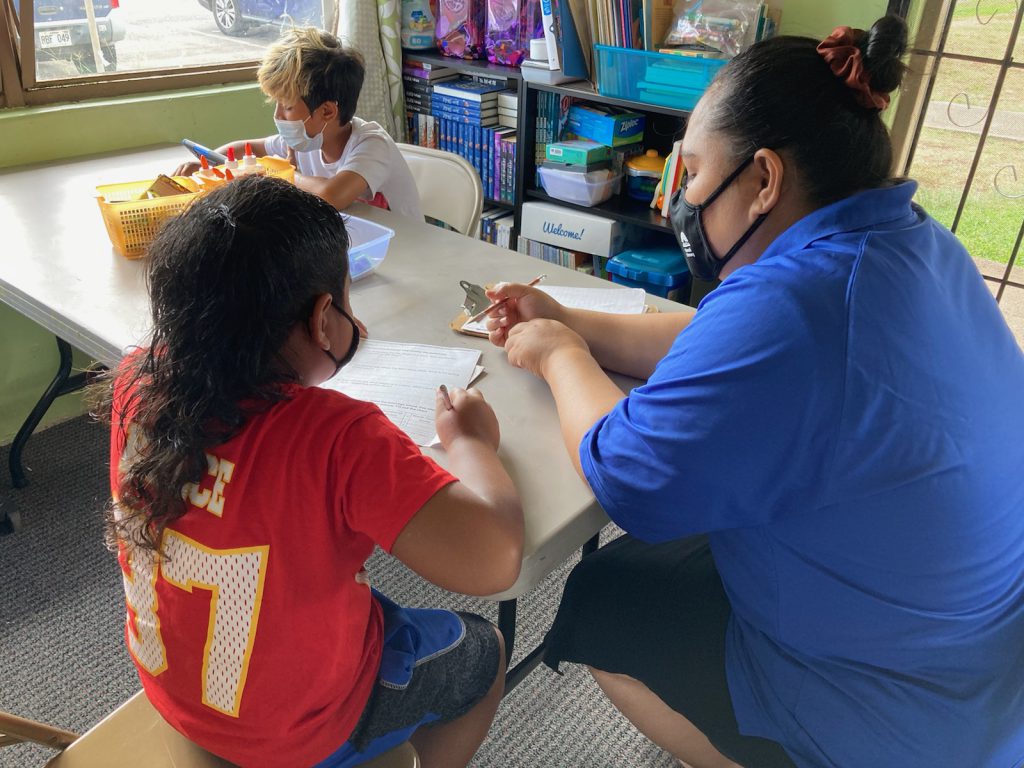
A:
821,479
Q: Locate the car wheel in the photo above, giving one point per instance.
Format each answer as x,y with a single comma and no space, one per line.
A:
228,16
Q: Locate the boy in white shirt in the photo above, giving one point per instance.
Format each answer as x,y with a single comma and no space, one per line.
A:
314,82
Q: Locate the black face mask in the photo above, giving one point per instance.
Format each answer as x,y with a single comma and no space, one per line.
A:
340,363
689,229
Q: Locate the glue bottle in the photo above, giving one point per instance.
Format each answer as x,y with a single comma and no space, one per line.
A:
231,162
250,164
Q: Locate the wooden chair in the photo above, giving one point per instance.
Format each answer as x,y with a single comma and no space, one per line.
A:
449,187
134,734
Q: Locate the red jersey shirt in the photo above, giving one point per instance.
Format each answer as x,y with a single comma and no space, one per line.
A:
251,635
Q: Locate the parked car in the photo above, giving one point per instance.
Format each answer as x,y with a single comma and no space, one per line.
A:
234,17
62,32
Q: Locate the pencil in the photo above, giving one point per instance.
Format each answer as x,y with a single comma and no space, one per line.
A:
497,304
447,399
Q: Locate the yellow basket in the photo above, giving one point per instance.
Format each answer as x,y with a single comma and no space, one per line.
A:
133,224
278,166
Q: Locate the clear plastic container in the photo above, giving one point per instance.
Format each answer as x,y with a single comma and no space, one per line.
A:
368,245
586,189
665,79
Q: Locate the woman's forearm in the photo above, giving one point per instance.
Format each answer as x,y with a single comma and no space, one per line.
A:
629,344
583,394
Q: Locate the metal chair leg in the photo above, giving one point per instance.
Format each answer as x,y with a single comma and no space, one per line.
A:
63,383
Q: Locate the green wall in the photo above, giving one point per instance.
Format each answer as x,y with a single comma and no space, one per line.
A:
816,18
28,354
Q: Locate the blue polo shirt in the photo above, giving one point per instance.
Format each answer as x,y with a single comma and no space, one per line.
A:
846,418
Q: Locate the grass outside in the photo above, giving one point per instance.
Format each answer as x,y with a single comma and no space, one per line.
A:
992,217
968,36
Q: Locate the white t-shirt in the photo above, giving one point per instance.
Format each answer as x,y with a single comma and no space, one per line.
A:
372,154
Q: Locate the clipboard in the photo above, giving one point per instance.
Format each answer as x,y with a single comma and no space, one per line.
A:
476,301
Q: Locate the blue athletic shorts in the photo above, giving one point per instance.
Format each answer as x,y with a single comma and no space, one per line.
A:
435,666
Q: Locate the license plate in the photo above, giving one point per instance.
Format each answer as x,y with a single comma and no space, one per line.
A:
55,38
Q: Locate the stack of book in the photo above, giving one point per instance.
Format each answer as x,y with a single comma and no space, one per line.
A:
418,79
508,110
472,117
552,114
496,226
581,262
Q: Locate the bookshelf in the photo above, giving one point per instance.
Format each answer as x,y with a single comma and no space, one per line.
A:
664,125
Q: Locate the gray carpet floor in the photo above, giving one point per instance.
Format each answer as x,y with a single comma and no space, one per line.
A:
62,657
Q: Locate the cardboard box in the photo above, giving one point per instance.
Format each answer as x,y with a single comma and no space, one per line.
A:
582,152
571,229
605,125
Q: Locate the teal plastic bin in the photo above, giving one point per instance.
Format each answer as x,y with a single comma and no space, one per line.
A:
660,271
654,78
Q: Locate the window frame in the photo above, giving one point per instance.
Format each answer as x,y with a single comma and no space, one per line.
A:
19,87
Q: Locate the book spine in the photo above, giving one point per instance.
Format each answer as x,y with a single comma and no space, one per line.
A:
461,103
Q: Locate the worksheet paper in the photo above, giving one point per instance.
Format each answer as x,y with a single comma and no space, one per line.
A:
617,301
402,379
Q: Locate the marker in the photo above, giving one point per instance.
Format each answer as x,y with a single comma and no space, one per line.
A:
200,151
447,400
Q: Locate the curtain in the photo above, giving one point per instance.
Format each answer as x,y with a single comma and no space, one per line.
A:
373,28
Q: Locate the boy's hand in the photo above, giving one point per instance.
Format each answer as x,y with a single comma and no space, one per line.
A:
524,303
533,344
470,417
186,169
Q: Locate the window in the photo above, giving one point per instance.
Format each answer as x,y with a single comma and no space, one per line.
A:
959,130
61,50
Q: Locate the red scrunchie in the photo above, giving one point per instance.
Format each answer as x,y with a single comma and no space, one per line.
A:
841,53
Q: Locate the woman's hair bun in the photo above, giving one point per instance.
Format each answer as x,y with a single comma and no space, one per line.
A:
883,47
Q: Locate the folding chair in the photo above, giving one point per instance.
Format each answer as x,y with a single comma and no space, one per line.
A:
134,734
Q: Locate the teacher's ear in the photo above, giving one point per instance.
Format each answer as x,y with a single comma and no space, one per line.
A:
770,172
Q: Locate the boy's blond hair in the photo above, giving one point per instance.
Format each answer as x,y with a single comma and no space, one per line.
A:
312,65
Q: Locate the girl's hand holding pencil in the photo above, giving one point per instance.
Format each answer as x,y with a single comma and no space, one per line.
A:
463,413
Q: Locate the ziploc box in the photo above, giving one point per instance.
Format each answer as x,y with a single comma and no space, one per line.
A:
571,229
605,125
579,152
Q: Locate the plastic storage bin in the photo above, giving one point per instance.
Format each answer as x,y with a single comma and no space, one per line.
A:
654,78
580,188
659,270
133,224
368,245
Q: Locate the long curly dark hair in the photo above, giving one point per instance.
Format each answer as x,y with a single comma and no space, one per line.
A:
227,280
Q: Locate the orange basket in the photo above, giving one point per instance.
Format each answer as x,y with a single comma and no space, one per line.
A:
133,224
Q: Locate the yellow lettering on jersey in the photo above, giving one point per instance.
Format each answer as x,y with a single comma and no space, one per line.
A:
224,471
212,500
234,578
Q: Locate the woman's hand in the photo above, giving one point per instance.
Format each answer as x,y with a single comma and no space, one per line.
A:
186,169
532,345
470,417
524,303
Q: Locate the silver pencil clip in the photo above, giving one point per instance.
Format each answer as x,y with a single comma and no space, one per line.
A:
476,300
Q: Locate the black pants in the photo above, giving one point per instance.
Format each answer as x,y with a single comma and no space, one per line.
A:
658,613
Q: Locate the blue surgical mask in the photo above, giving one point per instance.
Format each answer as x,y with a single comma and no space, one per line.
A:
293,132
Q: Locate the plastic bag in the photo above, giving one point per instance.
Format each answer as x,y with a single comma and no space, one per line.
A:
460,28
418,23
713,28
510,26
